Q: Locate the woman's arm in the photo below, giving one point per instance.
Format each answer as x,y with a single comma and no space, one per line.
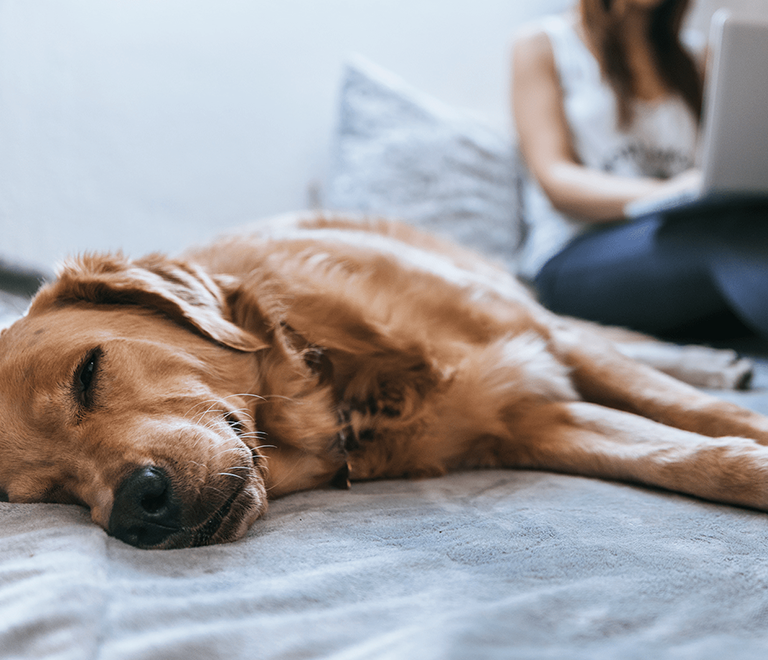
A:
545,142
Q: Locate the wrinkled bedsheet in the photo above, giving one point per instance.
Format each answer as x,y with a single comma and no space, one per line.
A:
493,564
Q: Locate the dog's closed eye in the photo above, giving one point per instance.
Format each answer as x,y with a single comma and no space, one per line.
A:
85,377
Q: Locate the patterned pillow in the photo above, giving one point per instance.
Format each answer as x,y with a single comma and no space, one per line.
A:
401,153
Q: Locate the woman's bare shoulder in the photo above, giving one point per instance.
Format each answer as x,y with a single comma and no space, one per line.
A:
532,46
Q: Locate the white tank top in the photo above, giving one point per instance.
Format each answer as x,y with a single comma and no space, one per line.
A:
660,142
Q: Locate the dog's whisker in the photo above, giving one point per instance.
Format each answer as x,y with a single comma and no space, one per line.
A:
258,438
199,404
228,450
283,398
229,474
244,394
254,434
212,403
214,424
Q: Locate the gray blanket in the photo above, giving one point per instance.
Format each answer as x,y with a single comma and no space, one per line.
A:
495,564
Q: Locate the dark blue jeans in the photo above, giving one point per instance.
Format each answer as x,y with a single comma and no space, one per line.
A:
669,275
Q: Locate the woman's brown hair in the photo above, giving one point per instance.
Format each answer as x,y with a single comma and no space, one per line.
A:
675,65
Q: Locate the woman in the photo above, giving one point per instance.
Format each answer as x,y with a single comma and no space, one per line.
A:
607,103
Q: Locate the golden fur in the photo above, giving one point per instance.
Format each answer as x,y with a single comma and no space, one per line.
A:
174,397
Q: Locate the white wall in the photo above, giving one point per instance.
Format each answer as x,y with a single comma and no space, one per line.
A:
152,124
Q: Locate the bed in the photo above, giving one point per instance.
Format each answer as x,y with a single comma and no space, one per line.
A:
489,564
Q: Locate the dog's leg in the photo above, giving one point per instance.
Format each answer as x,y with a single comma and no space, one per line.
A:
602,375
701,366
589,440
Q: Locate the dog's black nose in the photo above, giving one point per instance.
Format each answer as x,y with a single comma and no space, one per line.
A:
145,511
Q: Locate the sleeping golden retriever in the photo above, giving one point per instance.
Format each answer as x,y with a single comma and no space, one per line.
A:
175,397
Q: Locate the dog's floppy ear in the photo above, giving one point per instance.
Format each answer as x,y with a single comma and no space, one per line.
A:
182,291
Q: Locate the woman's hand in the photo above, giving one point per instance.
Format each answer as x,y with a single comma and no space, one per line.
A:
680,186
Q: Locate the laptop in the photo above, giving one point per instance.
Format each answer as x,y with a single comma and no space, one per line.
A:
733,152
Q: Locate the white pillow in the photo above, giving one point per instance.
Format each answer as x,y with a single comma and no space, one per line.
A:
400,153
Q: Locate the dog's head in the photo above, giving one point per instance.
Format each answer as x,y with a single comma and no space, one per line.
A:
127,389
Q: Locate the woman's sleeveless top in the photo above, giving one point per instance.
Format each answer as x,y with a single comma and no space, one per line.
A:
660,142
